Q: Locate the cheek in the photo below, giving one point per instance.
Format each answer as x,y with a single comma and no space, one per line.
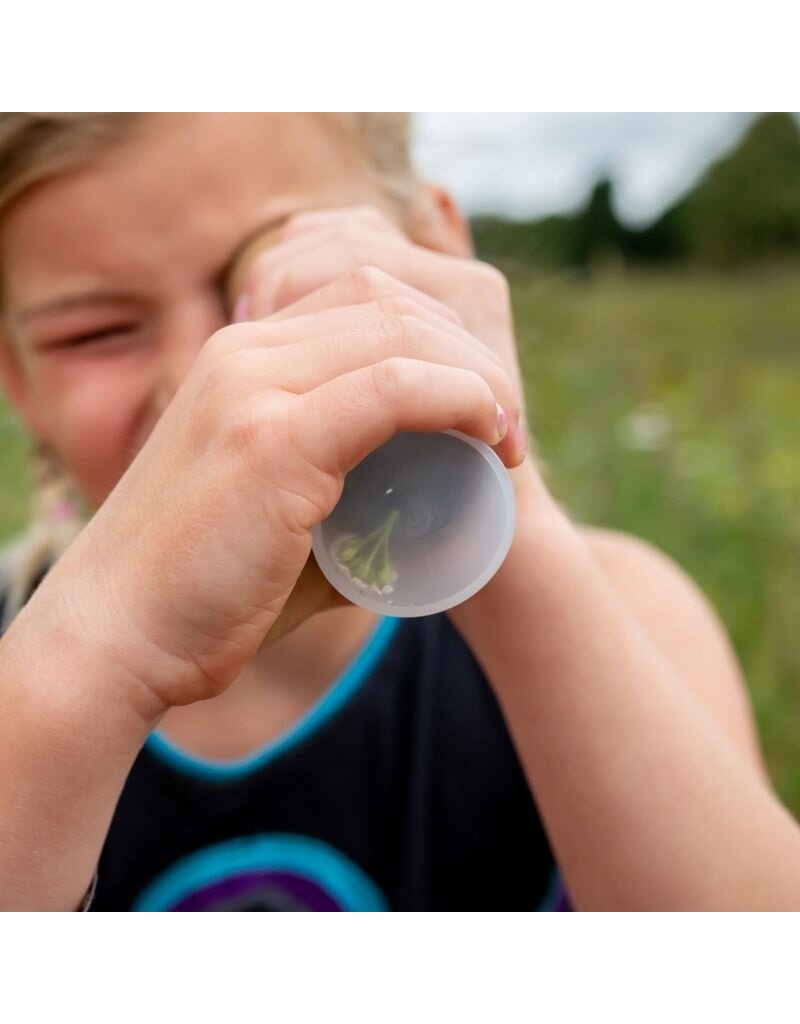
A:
95,419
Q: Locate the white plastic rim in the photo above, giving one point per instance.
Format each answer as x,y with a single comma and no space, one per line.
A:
494,559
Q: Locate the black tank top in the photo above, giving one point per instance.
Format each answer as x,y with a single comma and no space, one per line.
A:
399,790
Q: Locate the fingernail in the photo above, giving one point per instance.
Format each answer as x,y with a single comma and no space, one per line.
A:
241,309
502,423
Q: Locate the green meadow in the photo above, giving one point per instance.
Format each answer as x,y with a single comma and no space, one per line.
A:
669,407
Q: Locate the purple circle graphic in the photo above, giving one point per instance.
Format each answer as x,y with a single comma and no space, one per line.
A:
259,890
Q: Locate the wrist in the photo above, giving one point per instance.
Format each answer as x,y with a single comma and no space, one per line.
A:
546,555
73,724
64,658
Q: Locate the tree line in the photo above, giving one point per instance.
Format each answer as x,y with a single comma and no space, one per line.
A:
744,210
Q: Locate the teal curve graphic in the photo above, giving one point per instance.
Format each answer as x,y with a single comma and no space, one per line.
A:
263,872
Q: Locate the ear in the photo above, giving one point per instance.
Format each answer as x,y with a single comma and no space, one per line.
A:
436,222
15,382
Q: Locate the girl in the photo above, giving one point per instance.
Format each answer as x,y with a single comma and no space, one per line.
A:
183,699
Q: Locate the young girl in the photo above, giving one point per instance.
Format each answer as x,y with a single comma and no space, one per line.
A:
190,718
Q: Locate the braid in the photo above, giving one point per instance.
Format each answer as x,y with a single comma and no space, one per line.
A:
57,518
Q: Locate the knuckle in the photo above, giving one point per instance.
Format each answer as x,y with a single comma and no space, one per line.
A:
390,377
493,278
365,282
241,433
409,306
413,336
493,285
223,386
504,393
393,312
401,323
288,287
221,343
502,380
227,418
482,397
488,393
313,488
395,306
215,372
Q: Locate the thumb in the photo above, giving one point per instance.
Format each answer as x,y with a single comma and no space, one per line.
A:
311,593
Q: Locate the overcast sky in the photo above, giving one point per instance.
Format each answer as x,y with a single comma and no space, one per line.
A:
523,165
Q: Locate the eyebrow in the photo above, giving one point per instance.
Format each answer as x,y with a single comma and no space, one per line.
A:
65,303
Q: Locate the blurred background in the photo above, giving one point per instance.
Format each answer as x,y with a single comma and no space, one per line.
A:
655,270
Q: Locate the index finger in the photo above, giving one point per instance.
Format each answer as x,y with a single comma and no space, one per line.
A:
365,284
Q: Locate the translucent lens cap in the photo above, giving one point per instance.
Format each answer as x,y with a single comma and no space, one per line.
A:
423,523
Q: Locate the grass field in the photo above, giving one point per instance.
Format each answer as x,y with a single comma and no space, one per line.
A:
668,406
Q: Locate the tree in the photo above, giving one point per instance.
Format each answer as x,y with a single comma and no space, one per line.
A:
747,206
744,209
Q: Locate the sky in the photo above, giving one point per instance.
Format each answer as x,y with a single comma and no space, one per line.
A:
526,165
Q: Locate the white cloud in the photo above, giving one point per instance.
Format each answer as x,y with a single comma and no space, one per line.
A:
524,165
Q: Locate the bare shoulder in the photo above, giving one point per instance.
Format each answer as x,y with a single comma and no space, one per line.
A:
679,620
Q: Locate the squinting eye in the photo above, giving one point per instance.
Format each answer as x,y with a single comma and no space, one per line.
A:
101,336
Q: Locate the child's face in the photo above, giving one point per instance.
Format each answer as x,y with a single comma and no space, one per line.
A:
113,274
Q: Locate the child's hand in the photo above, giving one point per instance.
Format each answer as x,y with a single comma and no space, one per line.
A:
189,563
316,248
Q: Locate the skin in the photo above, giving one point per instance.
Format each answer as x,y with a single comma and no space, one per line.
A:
210,451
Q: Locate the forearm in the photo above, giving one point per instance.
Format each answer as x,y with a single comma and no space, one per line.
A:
69,734
645,801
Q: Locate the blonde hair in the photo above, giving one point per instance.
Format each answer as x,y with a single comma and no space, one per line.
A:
37,146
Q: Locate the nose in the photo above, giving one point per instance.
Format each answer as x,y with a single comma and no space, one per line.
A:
184,329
